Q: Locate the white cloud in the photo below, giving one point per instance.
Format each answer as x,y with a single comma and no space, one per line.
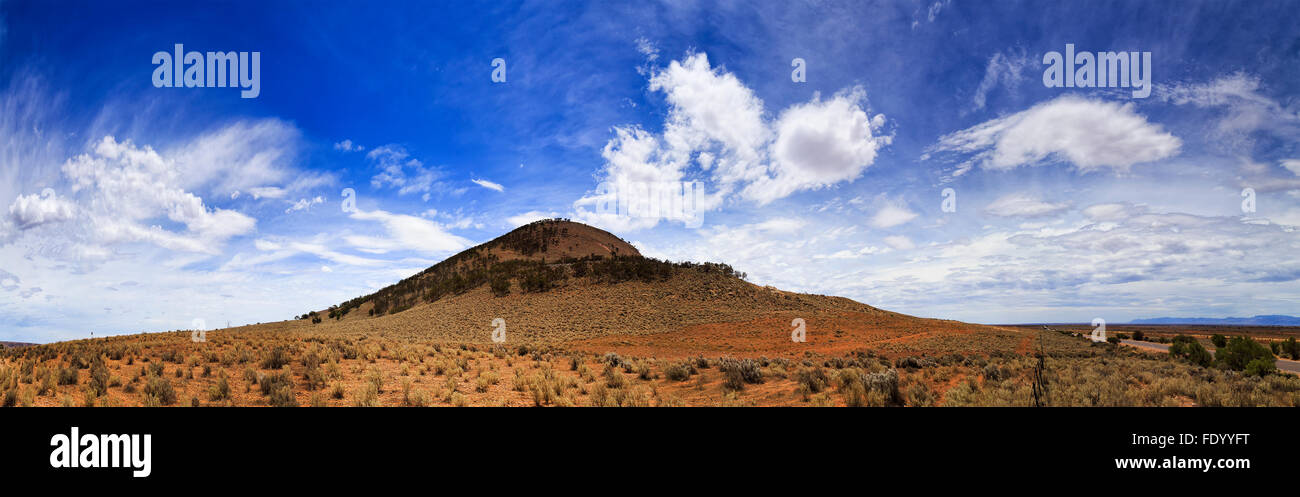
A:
647,49
406,233
29,211
304,204
1023,205
717,132
899,242
244,155
711,105
1110,212
1089,134
818,144
528,217
348,146
1002,69
489,185
890,215
397,169
1246,109
261,192
1292,165
128,186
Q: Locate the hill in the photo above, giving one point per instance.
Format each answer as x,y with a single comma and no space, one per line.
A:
558,282
520,254
1263,320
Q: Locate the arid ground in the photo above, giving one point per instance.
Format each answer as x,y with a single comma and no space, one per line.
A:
588,322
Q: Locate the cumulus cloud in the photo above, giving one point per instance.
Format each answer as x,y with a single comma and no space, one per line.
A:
718,132
1023,205
127,187
820,143
489,185
1089,134
29,211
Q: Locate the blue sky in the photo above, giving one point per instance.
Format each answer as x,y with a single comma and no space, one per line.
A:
127,207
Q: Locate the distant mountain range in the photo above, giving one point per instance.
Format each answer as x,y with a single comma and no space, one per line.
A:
1269,320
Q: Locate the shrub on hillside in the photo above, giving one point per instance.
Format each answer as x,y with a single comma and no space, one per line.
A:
678,371
748,369
277,358
500,286
159,389
1218,340
98,377
812,380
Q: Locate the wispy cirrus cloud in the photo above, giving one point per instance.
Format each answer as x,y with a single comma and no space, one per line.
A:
489,185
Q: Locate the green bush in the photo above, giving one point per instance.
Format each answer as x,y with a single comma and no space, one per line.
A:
277,358
1187,348
1139,336
221,390
1218,340
678,371
98,377
1261,367
812,380
67,375
1291,347
500,286
1240,351
160,389
748,369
